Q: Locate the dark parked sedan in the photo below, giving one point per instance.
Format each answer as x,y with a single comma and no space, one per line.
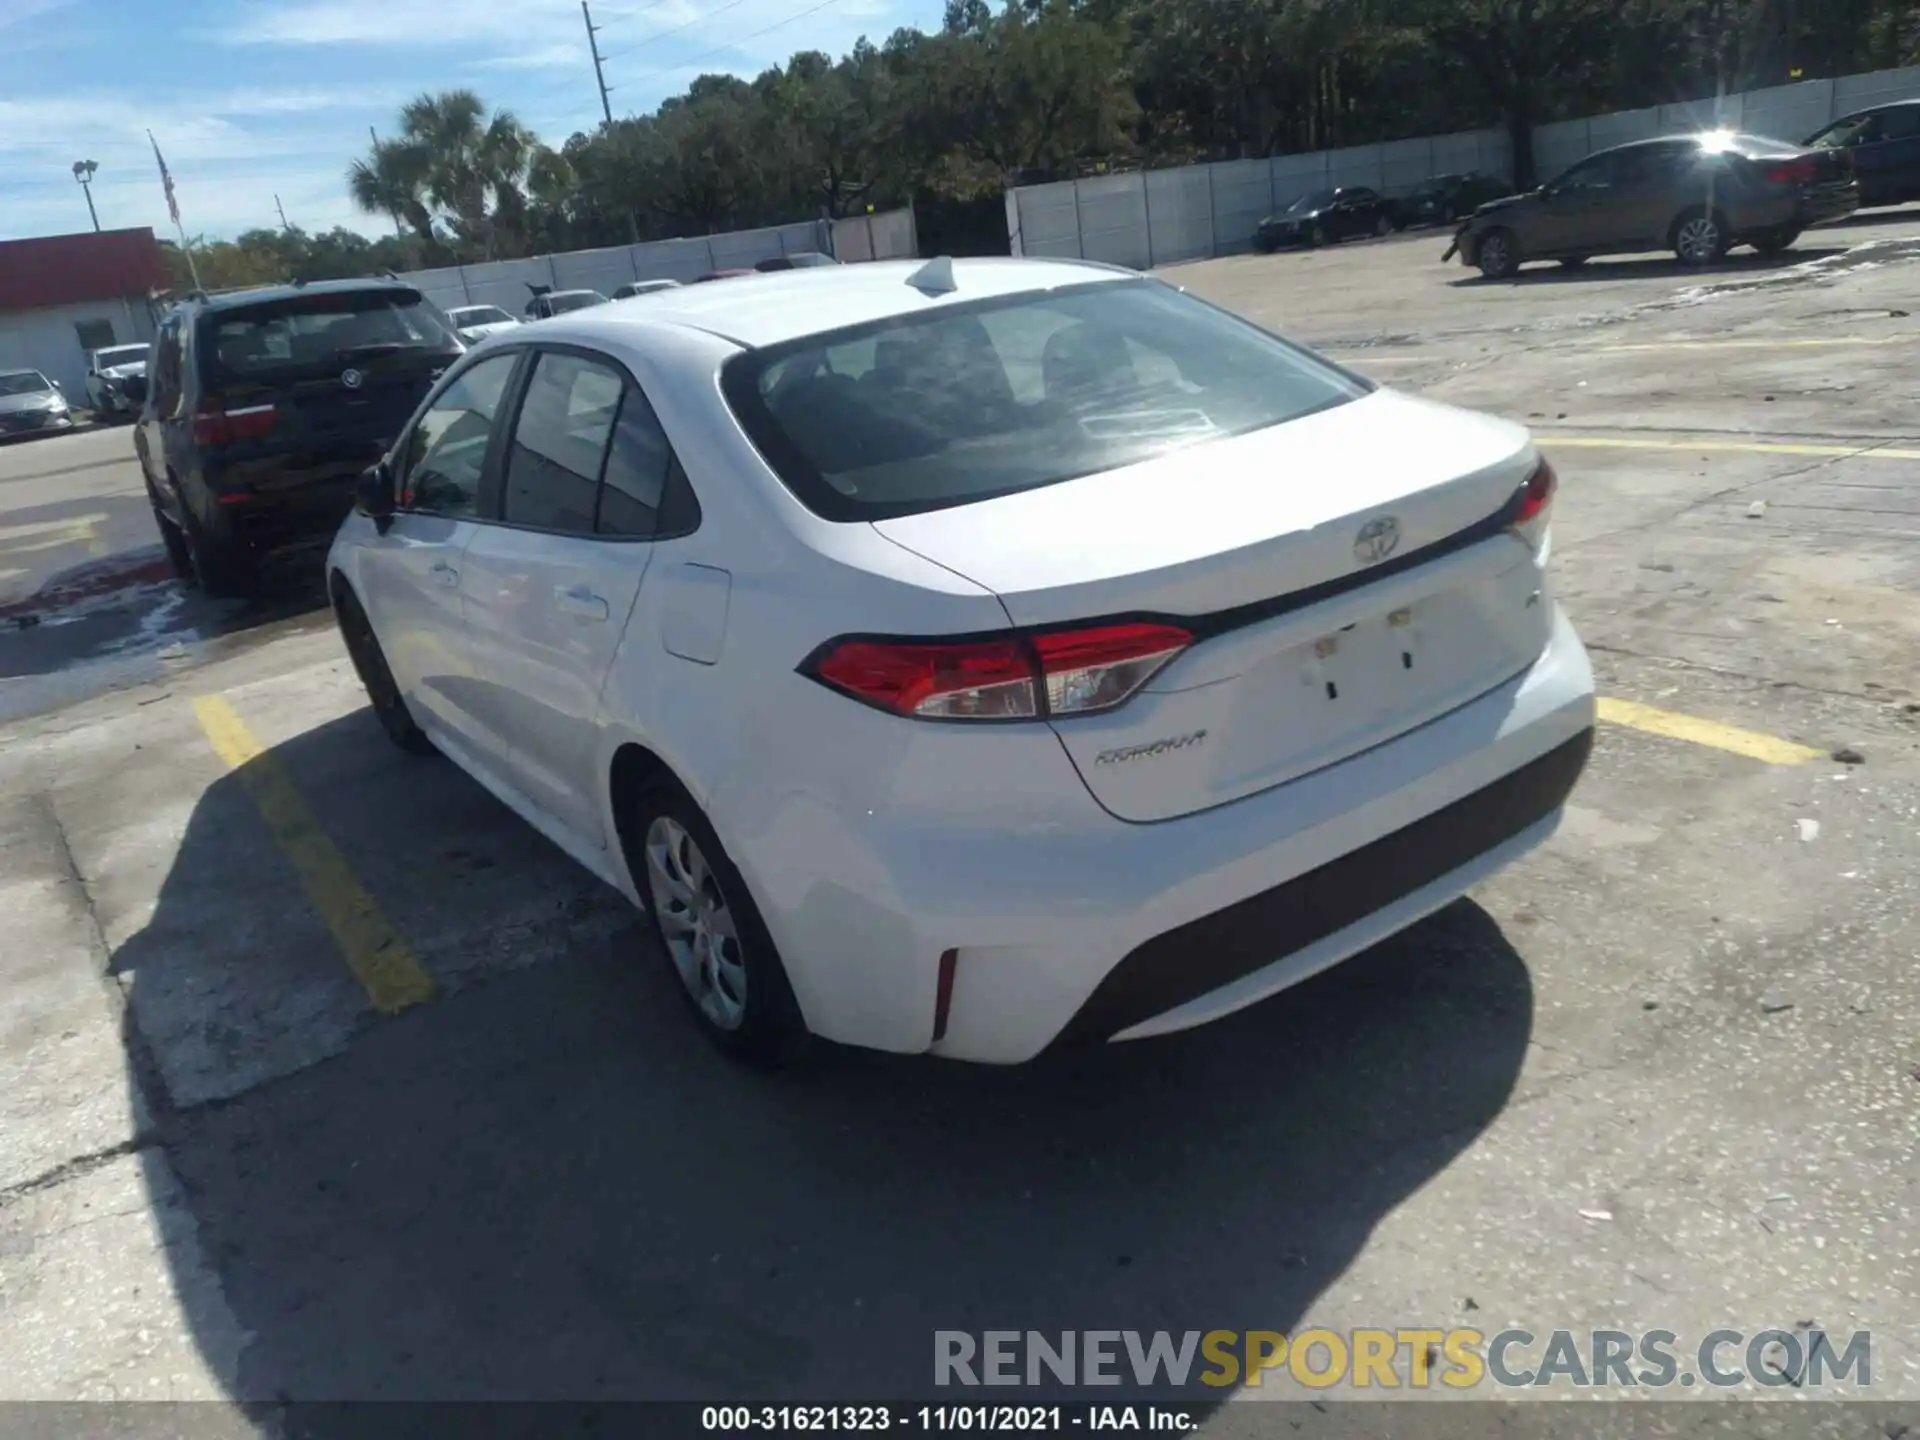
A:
1325,216
1698,195
1884,145
1445,198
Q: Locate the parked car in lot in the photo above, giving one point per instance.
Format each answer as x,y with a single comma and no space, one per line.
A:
31,404
1326,217
117,380
264,408
732,274
798,260
1445,198
644,287
973,657
1884,145
474,323
548,303
1698,195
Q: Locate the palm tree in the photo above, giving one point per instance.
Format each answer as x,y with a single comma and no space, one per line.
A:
455,161
392,181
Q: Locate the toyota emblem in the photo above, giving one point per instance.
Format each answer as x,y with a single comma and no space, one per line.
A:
351,379
1378,539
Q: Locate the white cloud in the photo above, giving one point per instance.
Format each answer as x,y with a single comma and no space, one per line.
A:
553,57
422,24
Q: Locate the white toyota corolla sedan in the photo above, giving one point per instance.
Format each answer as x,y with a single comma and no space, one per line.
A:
973,656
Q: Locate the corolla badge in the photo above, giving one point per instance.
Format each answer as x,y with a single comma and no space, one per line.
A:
1378,539
351,379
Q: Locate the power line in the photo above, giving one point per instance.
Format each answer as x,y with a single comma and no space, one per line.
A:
663,34
733,44
620,17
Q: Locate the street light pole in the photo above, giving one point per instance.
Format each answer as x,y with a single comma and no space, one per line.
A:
83,172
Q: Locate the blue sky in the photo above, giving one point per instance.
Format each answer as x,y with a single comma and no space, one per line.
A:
253,98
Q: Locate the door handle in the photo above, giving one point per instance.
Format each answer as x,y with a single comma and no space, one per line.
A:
579,601
446,575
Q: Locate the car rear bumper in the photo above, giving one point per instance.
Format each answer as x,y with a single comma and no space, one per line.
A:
1830,202
1076,926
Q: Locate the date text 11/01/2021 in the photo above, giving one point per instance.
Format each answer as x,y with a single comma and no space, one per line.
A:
937,1419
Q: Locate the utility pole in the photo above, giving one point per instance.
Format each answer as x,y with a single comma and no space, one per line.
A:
606,105
599,75
283,214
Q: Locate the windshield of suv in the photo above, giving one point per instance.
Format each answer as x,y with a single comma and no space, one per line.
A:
23,382
121,355
920,412
1318,200
479,315
324,330
574,300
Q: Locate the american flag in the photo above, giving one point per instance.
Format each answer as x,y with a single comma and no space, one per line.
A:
166,179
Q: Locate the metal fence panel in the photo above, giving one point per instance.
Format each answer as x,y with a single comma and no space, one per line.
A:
1179,214
1858,92
1356,165
1242,198
1049,220
1489,152
603,270
1788,112
1113,219
445,288
505,282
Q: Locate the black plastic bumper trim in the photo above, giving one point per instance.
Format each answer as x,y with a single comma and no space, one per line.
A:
1218,949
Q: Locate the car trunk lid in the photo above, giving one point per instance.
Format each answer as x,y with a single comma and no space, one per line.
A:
1347,577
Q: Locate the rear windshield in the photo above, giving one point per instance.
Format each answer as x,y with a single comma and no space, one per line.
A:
972,401
23,382
324,331
479,315
574,300
122,355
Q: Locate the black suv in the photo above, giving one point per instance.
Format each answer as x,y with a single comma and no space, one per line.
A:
263,408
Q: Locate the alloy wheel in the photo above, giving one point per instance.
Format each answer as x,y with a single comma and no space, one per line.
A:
1699,239
697,923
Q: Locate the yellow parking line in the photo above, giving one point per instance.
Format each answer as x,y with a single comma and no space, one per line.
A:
374,951
1863,449
1731,738
1821,343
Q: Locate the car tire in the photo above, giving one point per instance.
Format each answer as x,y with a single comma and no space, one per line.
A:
717,947
222,569
1573,262
179,553
1447,216
1498,253
370,664
1383,227
1264,246
1774,242
1700,237
1317,236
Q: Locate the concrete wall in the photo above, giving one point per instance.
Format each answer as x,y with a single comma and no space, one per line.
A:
504,282
46,340
1162,216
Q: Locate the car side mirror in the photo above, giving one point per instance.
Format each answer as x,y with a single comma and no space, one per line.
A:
376,494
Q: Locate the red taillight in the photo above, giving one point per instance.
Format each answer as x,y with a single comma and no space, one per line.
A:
1061,672
214,426
1801,171
1536,496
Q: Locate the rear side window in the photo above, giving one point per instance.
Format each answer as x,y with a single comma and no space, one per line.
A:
328,331
1900,123
636,471
966,402
560,444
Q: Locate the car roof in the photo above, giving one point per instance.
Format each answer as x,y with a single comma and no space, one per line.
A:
764,308
28,371
230,299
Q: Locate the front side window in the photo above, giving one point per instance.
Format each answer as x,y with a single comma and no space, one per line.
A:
439,464
929,410
1854,130
560,444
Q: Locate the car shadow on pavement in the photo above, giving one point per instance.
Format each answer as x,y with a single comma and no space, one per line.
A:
1654,268
543,1184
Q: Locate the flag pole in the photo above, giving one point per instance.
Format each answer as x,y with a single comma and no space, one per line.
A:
173,209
